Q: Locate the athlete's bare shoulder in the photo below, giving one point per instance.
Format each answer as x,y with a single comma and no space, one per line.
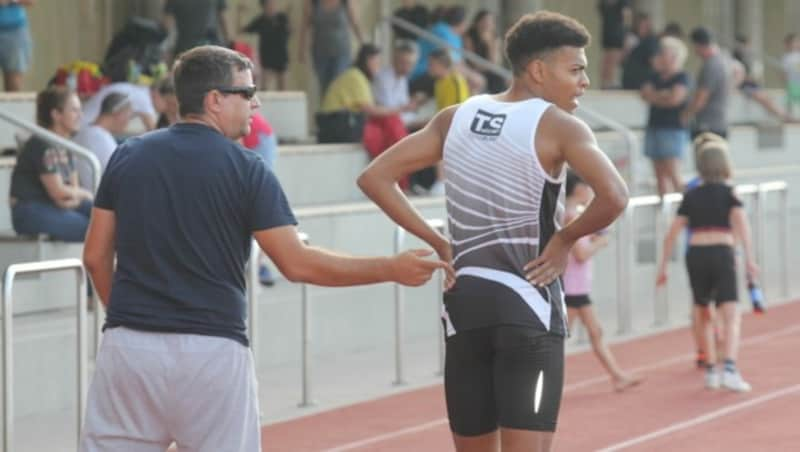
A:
564,126
442,120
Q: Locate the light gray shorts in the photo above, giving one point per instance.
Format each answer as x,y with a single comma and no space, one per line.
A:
152,389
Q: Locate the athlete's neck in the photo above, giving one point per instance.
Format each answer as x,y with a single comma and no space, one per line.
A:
519,91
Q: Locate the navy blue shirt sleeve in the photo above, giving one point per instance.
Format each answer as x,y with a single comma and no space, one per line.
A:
268,205
106,192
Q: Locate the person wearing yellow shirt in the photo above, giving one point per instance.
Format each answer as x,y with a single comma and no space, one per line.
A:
348,103
450,87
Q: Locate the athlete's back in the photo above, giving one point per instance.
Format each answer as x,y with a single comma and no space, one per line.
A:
501,205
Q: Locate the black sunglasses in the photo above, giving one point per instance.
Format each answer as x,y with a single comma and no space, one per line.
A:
246,92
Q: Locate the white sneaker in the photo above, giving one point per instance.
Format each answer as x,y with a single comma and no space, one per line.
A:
735,382
712,378
437,189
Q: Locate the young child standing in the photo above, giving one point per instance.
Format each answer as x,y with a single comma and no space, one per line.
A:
273,31
578,282
717,221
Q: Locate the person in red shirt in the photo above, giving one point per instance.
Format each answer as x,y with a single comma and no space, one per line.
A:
262,140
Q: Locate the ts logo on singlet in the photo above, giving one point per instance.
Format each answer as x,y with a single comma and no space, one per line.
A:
487,124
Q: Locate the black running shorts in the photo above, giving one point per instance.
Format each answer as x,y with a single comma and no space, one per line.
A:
504,376
712,274
577,301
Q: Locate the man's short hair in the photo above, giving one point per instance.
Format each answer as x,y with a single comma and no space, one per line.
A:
535,34
114,102
701,36
202,69
442,56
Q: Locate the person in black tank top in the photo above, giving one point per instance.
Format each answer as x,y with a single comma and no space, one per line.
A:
717,221
504,377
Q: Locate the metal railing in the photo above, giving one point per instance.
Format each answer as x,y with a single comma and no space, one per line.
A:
306,400
631,143
399,308
8,325
625,231
252,319
94,164
57,140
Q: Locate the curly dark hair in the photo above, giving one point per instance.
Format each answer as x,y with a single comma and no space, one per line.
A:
535,34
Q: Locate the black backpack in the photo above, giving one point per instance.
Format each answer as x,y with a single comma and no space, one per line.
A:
139,42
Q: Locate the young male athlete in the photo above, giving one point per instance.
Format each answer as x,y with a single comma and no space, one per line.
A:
504,157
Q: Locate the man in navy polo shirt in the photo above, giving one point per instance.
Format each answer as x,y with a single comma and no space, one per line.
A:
177,207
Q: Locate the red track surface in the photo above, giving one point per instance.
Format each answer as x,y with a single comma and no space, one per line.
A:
670,411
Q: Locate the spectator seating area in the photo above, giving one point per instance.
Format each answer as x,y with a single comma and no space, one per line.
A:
320,183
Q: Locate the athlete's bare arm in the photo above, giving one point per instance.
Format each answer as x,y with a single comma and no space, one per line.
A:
562,138
417,151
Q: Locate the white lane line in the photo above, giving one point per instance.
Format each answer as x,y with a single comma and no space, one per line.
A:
567,388
676,359
386,436
704,418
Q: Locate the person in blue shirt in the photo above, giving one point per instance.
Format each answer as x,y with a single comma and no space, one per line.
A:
15,42
450,24
177,210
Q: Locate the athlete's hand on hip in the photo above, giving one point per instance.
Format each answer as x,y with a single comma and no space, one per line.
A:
551,262
445,252
412,269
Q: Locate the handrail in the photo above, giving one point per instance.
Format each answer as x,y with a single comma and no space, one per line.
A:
625,239
8,358
625,255
628,137
56,140
399,308
252,319
94,163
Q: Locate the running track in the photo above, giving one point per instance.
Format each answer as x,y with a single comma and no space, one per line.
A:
670,411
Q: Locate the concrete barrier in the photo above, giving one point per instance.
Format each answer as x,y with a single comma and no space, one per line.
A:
287,111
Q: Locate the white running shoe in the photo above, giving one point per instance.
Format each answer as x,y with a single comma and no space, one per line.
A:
735,382
712,378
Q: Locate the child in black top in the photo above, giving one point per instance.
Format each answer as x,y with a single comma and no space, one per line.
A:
716,219
273,31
